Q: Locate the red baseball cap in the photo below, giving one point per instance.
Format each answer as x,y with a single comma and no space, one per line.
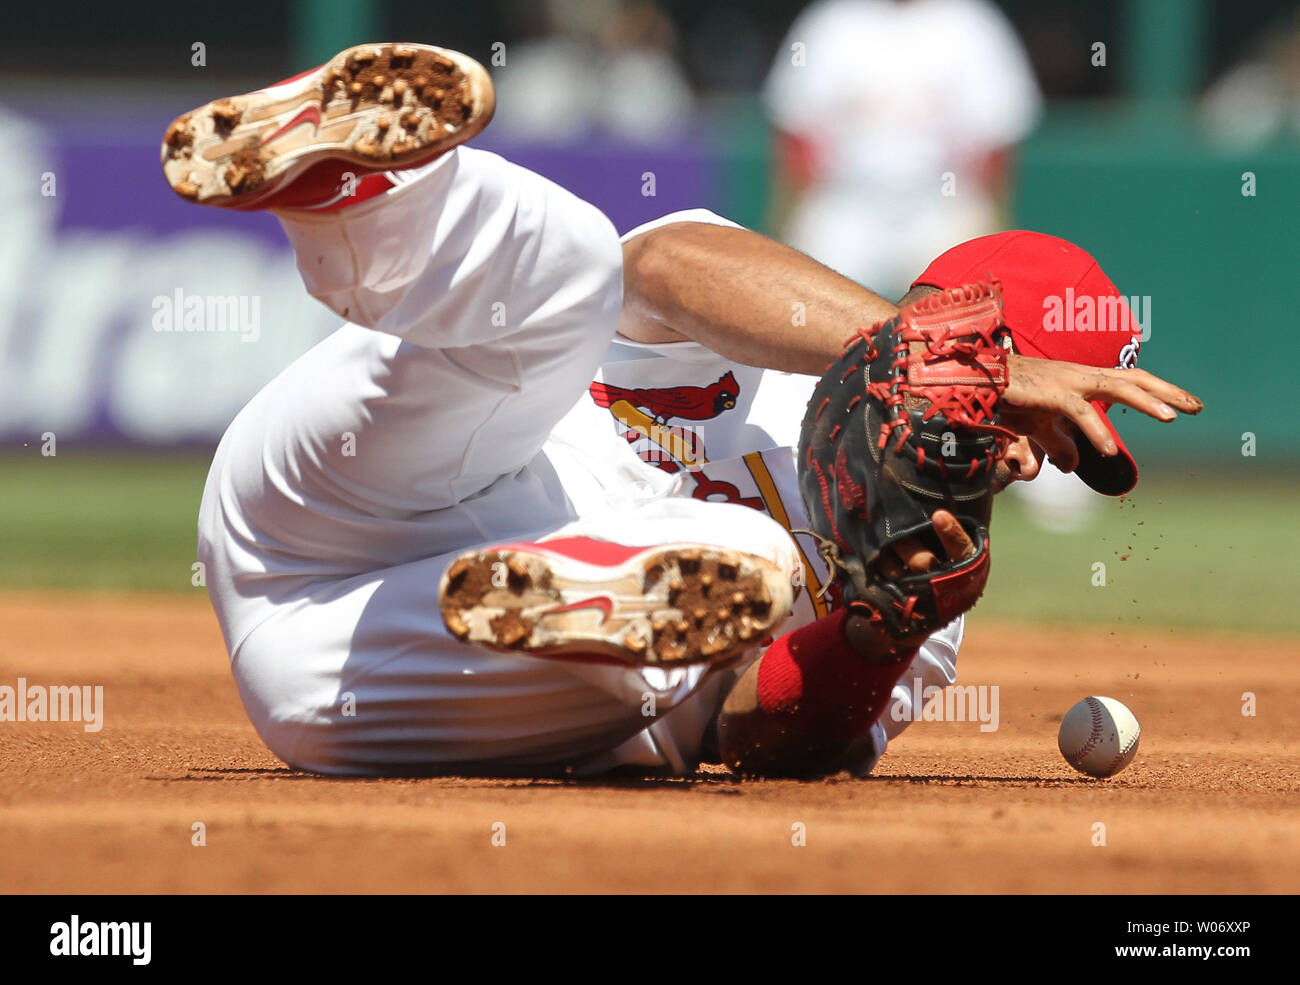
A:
1058,304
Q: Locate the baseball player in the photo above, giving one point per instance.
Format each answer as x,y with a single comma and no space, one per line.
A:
521,406
846,83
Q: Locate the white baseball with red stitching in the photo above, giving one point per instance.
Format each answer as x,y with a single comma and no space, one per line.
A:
1099,736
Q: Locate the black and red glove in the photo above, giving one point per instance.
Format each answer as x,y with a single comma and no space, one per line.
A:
905,423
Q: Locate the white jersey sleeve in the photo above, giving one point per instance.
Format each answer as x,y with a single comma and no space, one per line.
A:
685,215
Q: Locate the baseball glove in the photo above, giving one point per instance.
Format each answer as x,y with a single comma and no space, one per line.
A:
905,423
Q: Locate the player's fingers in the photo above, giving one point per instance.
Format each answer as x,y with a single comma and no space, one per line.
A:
956,542
1130,394
1089,422
1170,393
1059,446
1142,391
908,556
921,561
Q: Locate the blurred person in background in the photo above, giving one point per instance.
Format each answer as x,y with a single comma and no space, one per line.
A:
607,65
902,117
898,115
1258,99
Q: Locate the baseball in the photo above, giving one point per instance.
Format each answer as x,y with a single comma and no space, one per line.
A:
1099,736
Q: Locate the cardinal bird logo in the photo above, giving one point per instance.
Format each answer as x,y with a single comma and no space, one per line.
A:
688,403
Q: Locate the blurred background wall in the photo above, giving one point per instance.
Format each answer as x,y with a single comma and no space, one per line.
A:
1172,153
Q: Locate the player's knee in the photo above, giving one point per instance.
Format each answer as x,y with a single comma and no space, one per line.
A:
301,716
594,256
317,739
575,247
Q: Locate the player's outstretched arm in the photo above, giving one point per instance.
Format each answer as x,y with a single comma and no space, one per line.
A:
746,297
761,303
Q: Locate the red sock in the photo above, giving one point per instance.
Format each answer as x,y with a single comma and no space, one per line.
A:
815,684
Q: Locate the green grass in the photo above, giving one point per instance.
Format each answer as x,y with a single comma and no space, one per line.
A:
76,520
1203,553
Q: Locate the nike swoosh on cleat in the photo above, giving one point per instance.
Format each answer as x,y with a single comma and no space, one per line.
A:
308,114
602,602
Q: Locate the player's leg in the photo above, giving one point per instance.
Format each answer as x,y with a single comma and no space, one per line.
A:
486,297
359,675
494,294
324,528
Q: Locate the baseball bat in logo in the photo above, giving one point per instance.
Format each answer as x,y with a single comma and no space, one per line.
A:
1128,356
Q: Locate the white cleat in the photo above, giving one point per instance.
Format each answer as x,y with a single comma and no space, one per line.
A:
581,599
373,107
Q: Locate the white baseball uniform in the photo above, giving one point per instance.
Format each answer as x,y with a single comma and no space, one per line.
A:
452,411
903,102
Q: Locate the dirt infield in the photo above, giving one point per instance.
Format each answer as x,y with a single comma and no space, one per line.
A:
1210,804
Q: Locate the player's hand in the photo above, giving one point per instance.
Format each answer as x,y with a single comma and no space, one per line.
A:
1044,396
910,556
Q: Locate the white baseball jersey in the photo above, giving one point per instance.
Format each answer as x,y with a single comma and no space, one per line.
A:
455,409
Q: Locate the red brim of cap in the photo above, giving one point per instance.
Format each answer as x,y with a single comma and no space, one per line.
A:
1111,475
